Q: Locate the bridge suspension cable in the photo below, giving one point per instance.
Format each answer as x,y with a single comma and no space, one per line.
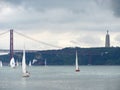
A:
75,42
28,37
4,32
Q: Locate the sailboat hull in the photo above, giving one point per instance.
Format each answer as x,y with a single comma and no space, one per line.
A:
26,74
77,70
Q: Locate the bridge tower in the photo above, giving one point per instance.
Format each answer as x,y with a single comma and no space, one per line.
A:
11,43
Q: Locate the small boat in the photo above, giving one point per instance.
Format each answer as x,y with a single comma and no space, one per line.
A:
45,63
1,64
12,62
76,63
17,64
24,70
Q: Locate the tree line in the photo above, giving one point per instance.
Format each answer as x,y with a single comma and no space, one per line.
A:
66,56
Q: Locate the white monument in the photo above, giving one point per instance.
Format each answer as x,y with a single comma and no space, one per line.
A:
107,40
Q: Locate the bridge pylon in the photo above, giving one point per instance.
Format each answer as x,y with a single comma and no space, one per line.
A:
11,43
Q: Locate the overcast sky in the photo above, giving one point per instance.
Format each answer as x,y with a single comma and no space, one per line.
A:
64,23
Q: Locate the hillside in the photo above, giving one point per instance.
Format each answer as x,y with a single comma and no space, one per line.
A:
66,56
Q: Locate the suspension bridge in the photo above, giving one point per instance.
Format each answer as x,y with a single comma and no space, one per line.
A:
11,38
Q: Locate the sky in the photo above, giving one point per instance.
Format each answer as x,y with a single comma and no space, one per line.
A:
60,23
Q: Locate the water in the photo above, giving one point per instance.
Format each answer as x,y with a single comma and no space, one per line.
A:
61,78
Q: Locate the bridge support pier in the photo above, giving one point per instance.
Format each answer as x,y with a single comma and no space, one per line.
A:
11,43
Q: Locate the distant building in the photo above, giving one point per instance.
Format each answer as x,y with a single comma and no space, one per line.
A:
107,40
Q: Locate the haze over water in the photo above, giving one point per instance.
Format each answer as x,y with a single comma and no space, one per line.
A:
61,78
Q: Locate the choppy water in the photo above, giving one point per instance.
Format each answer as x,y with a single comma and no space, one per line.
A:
61,78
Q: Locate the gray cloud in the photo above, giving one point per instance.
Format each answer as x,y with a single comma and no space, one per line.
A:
12,2
65,14
77,6
61,12
116,7
45,3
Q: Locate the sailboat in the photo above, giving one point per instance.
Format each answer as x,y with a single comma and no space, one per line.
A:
45,62
1,64
17,64
76,63
24,71
29,63
12,62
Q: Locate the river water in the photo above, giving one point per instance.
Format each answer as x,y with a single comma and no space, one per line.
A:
61,78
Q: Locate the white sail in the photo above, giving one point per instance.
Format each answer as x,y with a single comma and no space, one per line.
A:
17,64
76,63
45,62
34,61
1,64
29,63
24,71
12,62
